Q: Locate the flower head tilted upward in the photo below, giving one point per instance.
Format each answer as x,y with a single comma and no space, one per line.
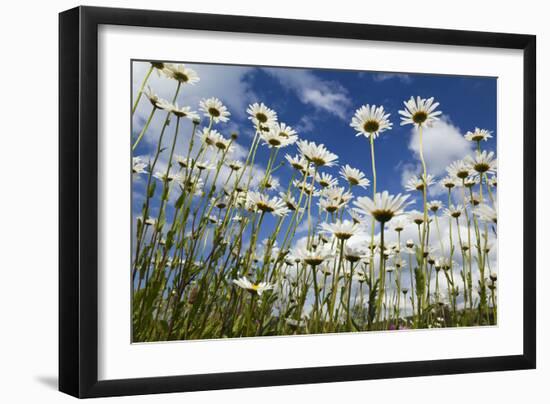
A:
383,207
354,176
261,115
342,230
317,154
254,288
257,201
419,112
181,73
214,108
478,135
370,120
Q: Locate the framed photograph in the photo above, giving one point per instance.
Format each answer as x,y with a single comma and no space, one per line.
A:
251,201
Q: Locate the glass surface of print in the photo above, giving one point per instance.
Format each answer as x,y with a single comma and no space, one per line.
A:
284,201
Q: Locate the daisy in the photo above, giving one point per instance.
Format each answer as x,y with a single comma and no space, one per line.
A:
478,135
181,73
469,182
399,225
383,207
273,139
153,98
434,206
219,141
163,176
214,109
486,213
326,180
334,198
276,206
297,162
448,182
261,115
235,165
182,161
354,252
209,136
304,187
314,256
317,154
370,120
420,112
416,217
493,181
475,199
484,162
290,201
254,288
341,230
271,183
138,166
181,112
354,176
284,131
459,169
417,183
454,211
204,165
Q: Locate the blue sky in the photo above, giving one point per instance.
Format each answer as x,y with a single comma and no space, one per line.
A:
319,104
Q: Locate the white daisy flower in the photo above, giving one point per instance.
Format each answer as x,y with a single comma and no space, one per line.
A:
153,98
317,154
254,288
419,112
180,112
273,140
354,252
334,198
290,201
383,207
486,213
448,182
417,184
138,166
416,217
454,211
204,165
354,176
235,165
370,120
181,73
257,201
305,187
271,183
478,135
314,256
435,206
399,225
484,162
261,115
342,230
297,162
326,180
214,109
459,169
284,131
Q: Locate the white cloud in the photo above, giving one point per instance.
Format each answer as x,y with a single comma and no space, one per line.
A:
403,78
324,95
443,143
305,124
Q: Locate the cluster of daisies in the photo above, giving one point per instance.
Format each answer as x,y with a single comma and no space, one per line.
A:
327,260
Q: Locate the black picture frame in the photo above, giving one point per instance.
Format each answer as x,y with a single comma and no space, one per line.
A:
78,196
